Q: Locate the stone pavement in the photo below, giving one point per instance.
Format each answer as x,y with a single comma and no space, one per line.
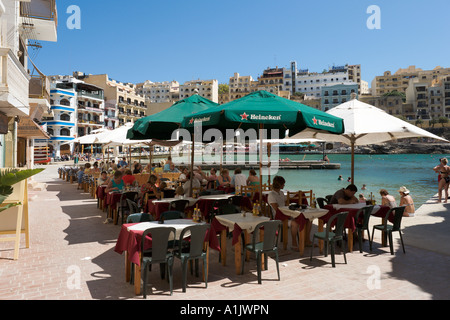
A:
72,257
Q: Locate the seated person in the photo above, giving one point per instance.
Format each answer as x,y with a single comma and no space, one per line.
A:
116,183
252,179
239,179
166,192
187,186
200,175
173,168
137,168
166,167
103,179
387,199
345,196
150,188
123,163
212,177
224,180
87,168
96,169
129,179
179,192
407,201
276,199
183,176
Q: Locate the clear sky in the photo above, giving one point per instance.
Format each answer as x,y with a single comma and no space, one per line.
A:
161,40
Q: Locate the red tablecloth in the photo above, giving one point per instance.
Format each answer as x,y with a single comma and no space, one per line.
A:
112,198
350,221
156,209
130,241
217,227
101,194
301,220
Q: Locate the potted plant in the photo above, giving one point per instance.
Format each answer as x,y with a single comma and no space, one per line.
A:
10,177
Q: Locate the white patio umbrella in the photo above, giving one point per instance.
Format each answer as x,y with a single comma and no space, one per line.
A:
365,124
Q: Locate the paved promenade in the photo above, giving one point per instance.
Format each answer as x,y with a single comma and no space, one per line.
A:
72,257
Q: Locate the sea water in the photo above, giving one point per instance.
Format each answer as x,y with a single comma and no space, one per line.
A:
390,172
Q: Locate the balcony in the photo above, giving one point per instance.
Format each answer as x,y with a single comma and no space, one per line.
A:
14,85
40,18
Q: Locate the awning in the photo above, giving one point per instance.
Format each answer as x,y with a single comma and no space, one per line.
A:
29,129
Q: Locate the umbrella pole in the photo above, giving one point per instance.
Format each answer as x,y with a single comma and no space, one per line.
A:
192,165
260,162
353,161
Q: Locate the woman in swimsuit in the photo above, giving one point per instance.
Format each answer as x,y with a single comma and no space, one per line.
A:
443,169
407,202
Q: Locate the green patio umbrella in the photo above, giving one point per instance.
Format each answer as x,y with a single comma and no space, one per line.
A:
263,110
161,125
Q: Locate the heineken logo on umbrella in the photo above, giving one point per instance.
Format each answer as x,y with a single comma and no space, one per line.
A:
260,117
204,119
323,123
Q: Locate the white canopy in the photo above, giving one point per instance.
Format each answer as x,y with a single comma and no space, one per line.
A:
365,124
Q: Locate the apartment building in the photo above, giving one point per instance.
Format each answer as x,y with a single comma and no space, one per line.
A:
430,96
240,86
22,25
334,95
159,92
208,89
310,83
400,80
122,102
78,109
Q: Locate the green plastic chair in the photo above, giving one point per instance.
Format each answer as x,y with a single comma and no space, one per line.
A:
272,230
321,202
389,228
330,238
191,248
160,252
171,215
364,225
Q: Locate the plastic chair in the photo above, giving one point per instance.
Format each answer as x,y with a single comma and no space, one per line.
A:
388,228
123,205
364,225
178,205
139,217
328,197
192,249
215,208
272,229
236,200
168,193
160,252
330,237
321,202
171,215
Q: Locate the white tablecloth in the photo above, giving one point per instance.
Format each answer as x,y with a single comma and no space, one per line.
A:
310,213
192,201
248,222
178,224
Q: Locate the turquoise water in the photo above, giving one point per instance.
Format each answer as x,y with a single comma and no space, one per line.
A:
415,171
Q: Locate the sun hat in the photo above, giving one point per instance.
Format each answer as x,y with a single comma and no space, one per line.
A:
404,190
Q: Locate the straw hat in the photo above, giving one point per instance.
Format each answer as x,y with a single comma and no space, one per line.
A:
404,190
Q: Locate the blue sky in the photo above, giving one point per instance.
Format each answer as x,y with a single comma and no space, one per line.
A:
134,41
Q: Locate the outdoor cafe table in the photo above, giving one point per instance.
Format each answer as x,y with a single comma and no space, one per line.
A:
130,237
238,225
300,216
350,224
101,196
112,200
205,202
156,207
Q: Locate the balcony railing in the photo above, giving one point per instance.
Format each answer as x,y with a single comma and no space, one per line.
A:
39,87
41,16
14,84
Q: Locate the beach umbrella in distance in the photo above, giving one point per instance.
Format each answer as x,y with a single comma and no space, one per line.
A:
263,110
366,124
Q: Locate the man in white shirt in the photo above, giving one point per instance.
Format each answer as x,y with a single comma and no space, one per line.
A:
239,179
